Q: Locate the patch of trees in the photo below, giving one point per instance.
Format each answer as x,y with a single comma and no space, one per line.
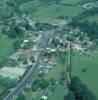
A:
50,1
6,81
86,1
78,91
39,83
21,97
45,26
13,32
87,13
21,1
90,28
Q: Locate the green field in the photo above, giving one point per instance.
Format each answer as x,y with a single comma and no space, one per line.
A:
92,18
59,93
2,88
89,78
70,1
55,73
50,13
30,6
6,47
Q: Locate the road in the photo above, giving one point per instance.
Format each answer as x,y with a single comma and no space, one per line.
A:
68,67
28,78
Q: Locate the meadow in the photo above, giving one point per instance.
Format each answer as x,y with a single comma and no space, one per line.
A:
90,67
92,18
70,1
50,13
6,47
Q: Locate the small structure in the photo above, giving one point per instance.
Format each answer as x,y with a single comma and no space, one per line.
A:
44,97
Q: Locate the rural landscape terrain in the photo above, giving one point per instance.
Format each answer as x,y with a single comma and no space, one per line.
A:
48,49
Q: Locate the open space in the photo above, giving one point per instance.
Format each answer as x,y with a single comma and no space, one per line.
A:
12,72
70,1
90,64
50,13
92,18
6,47
59,93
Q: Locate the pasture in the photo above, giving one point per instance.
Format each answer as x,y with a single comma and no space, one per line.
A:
50,13
6,47
86,68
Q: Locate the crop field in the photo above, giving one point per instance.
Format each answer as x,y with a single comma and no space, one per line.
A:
51,13
6,47
90,67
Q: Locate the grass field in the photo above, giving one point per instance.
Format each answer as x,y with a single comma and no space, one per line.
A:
55,73
2,88
92,18
70,1
50,13
89,78
59,93
6,47
30,6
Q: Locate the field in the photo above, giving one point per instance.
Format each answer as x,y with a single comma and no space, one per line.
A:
6,47
90,64
30,6
92,18
12,72
59,93
50,13
2,88
70,1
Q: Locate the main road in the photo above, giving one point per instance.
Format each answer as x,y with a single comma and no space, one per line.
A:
28,78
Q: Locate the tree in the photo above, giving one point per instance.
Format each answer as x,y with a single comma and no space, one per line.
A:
43,83
35,85
81,92
70,96
21,97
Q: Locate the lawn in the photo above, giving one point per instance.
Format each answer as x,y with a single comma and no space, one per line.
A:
59,93
89,78
6,47
50,13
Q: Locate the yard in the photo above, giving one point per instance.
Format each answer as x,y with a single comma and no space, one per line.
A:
86,68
